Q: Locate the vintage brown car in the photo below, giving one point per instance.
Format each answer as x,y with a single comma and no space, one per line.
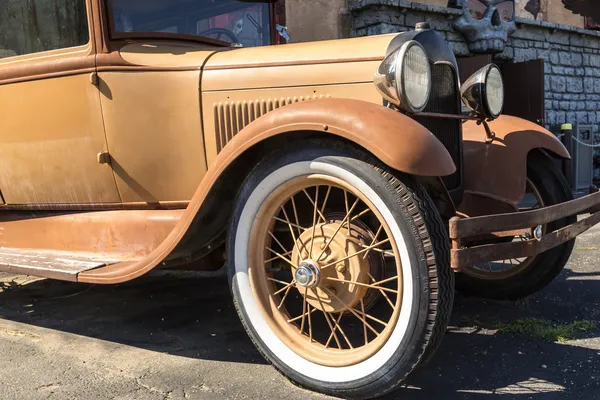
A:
340,182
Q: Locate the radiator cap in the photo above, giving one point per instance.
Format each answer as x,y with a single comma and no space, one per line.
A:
421,26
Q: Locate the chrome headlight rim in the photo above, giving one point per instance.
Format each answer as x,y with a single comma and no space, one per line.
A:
407,105
486,97
474,93
390,78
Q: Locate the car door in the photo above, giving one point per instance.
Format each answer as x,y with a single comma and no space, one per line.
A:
51,128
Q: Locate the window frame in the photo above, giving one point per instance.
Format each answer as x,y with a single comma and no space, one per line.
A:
72,51
114,35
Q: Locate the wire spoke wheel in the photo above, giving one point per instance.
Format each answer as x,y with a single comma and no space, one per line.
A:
326,273
513,279
339,269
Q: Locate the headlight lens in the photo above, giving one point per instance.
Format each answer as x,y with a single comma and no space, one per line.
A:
483,92
404,77
494,91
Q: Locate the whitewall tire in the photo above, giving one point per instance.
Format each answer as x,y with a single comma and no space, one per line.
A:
339,270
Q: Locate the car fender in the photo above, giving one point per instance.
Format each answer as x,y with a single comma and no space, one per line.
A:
495,172
397,140
394,138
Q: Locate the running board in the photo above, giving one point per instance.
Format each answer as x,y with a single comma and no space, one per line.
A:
51,264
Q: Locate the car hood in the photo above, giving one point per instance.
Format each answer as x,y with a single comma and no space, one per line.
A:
314,63
299,64
329,51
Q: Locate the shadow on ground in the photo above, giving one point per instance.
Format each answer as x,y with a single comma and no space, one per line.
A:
194,318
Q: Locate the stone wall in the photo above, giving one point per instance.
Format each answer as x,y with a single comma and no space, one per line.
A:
571,55
312,20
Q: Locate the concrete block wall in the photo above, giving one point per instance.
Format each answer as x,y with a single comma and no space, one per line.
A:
571,55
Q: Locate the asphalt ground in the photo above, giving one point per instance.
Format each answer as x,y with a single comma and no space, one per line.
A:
175,336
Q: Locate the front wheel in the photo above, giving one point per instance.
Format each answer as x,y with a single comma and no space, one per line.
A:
513,279
339,270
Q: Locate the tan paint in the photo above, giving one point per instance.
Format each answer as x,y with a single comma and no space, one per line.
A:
154,133
412,150
263,100
294,76
499,170
51,129
341,51
166,54
51,133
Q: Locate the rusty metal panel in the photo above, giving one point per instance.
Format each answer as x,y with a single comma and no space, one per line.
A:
480,254
469,227
54,265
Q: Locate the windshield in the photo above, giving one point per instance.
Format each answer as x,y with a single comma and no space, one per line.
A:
230,21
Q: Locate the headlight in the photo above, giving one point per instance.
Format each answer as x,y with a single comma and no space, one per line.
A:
483,92
404,77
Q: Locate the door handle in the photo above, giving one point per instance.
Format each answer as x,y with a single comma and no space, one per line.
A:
103,157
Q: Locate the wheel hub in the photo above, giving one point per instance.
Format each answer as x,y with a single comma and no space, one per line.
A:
323,273
308,274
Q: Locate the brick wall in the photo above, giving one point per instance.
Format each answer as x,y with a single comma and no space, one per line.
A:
571,55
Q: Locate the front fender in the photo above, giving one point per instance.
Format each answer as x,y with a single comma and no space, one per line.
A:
394,138
495,174
397,140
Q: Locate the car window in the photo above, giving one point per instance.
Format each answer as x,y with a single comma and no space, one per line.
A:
33,26
230,21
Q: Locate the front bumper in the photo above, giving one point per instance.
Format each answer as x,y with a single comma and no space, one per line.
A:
465,230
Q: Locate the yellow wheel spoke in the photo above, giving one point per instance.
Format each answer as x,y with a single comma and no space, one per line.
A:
294,266
287,291
285,222
372,318
278,281
337,340
360,214
373,242
300,316
356,254
338,229
364,321
314,226
362,284
287,286
289,253
291,230
304,303
325,201
386,253
315,205
362,306
336,323
310,332
347,211
383,293
300,228
278,242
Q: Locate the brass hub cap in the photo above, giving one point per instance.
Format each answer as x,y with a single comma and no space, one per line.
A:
326,275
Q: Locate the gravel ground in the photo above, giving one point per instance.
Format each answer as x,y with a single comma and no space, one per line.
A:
173,337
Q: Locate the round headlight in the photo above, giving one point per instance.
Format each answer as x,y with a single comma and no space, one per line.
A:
404,77
494,92
483,92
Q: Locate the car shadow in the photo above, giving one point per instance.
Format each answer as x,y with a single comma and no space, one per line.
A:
194,317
